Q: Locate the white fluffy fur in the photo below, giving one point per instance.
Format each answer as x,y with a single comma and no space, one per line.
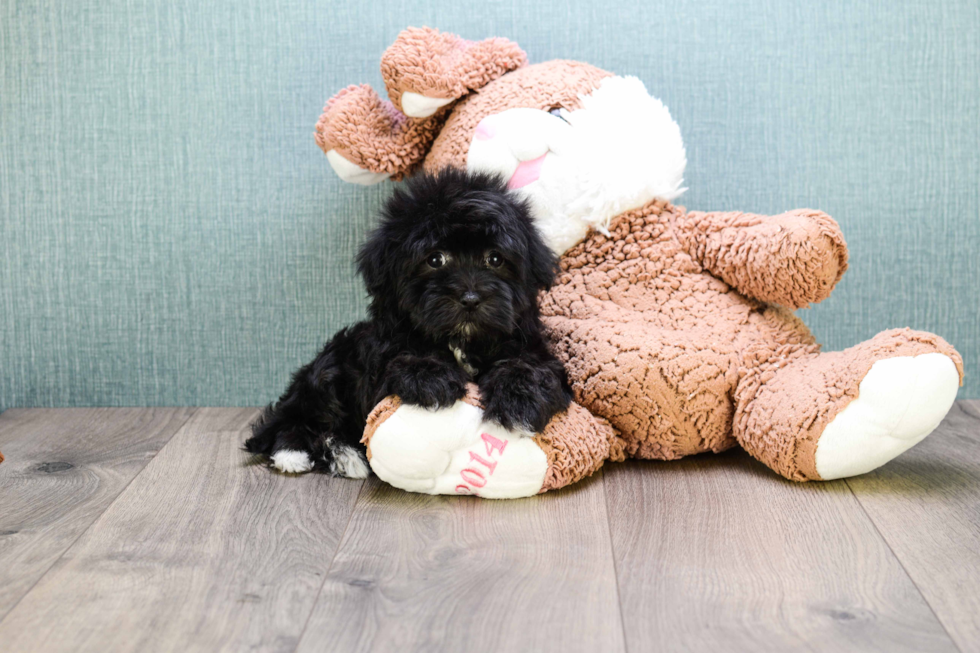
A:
620,150
901,400
292,462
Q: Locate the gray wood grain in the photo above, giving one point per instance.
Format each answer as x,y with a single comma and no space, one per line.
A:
63,468
718,553
926,505
420,573
203,552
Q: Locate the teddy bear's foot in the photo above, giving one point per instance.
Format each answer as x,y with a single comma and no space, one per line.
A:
901,401
820,416
353,173
452,451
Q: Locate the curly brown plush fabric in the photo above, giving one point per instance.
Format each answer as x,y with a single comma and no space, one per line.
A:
442,65
385,409
681,362
372,133
577,444
676,327
740,249
785,401
539,86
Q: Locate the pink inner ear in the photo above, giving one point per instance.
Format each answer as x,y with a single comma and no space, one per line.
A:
527,171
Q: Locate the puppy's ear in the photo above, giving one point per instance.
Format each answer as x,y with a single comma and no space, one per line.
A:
542,262
371,260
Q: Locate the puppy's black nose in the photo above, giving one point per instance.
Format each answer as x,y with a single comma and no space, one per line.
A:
470,300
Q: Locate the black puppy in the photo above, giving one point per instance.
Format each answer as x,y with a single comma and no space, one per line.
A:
453,272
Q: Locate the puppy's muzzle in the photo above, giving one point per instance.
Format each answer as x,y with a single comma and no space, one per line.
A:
470,300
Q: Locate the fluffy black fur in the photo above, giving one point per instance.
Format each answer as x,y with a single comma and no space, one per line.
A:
453,272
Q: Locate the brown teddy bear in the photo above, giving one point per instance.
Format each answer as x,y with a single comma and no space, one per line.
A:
676,327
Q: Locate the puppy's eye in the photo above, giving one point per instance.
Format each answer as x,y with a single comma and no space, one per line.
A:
436,260
495,259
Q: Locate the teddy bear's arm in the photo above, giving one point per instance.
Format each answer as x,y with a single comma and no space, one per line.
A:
793,259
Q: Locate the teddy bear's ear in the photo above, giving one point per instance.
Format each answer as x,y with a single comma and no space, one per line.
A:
368,140
425,69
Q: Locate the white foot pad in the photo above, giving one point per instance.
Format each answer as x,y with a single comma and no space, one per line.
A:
415,105
292,462
453,451
353,173
901,401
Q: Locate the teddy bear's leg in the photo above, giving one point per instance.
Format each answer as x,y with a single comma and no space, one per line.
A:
832,415
577,444
455,451
425,69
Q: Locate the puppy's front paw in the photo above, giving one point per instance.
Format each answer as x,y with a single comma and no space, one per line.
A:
513,409
425,382
516,394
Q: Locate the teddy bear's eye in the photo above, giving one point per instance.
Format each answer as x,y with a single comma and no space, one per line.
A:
436,260
558,112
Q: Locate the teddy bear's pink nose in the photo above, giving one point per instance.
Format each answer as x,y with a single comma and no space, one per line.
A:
485,130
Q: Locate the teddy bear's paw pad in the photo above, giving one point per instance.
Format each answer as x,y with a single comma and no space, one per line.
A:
454,451
292,461
353,173
901,400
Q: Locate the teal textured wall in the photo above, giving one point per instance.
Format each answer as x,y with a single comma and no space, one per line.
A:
170,234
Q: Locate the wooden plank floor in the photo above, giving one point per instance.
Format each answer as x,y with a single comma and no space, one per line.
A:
150,529
64,468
